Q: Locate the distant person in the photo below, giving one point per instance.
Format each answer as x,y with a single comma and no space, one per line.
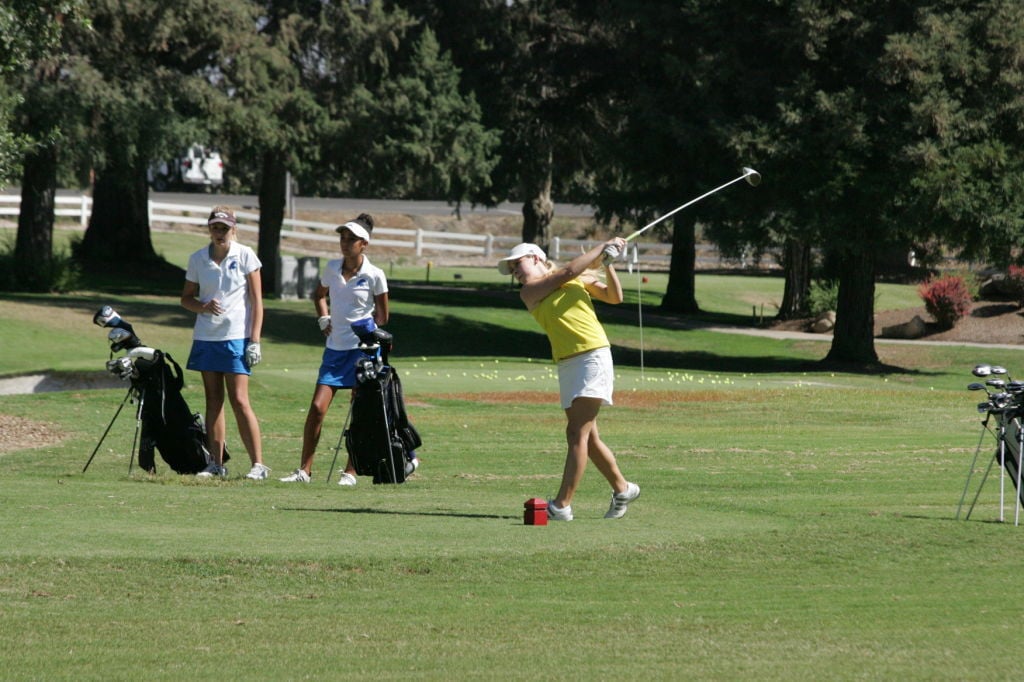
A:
559,298
223,287
355,290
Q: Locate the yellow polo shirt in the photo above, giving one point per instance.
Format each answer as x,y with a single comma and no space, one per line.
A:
567,316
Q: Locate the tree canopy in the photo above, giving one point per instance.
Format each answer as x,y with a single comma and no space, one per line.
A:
877,125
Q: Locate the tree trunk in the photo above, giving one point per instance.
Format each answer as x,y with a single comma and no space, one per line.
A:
273,197
796,264
681,292
853,339
538,209
33,250
118,231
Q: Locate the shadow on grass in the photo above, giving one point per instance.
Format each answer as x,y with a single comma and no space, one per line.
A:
454,330
391,512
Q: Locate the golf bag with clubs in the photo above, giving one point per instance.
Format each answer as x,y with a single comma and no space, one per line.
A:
1005,406
164,421
168,425
379,438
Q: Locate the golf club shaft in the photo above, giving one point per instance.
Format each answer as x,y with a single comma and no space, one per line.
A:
746,172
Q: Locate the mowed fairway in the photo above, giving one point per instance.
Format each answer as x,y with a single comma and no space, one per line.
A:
795,522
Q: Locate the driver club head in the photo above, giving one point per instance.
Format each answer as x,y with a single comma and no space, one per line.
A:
752,177
982,370
998,369
996,383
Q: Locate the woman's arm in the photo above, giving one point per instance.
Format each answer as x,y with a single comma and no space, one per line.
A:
381,311
255,292
191,302
609,291
537,290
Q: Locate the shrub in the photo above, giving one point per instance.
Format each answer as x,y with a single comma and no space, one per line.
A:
823,297
946,299
63,273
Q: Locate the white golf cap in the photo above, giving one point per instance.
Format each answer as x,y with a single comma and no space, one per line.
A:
355,228
506,264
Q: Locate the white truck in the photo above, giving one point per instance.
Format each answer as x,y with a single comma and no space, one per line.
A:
198,167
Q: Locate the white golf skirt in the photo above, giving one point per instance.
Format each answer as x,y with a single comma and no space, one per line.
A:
587,375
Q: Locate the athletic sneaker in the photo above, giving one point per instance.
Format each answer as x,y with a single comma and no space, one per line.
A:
347,479
411,466
559,513
212,470
297,476
258,472
620,500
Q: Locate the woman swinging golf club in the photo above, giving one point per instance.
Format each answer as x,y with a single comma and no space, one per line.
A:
559,298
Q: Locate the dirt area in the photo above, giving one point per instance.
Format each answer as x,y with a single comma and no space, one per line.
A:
17,433
989,322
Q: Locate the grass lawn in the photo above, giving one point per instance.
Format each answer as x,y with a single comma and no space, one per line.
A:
795,522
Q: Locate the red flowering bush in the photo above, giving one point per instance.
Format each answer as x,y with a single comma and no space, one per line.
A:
947,299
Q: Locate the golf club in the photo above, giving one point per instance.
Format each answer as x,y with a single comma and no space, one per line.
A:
752,177
982,370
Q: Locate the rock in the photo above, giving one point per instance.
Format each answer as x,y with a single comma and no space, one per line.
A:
914,329
824,323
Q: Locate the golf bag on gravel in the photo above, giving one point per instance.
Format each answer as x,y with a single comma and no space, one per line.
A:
379,438
168,425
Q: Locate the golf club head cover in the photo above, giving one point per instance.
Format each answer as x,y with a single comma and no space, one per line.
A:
253,354
364,329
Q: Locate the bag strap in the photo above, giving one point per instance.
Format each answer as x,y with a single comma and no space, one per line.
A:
176,374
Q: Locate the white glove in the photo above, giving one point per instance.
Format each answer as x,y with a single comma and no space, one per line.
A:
611,252
324,321
253,354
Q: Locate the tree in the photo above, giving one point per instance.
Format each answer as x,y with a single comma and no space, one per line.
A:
895,127
30,35
35,110
156,66
962,69
416,135
528,64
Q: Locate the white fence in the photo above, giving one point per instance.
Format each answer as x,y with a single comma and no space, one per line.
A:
319,238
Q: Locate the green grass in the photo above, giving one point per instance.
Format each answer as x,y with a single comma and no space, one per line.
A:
795,523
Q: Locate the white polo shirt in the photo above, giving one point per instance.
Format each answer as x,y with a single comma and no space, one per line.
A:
228,284
352,300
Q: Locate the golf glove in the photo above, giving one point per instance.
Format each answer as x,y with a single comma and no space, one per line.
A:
324,321
611,252
253,354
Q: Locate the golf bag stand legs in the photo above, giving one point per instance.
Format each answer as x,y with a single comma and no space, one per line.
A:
138,429
1009,437
127,397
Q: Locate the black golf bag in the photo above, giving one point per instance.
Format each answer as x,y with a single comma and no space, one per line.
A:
168,425
379,438
1008,449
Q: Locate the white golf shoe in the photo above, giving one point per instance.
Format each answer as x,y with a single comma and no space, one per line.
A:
258,472
559,513
621,500
212,470
297,476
